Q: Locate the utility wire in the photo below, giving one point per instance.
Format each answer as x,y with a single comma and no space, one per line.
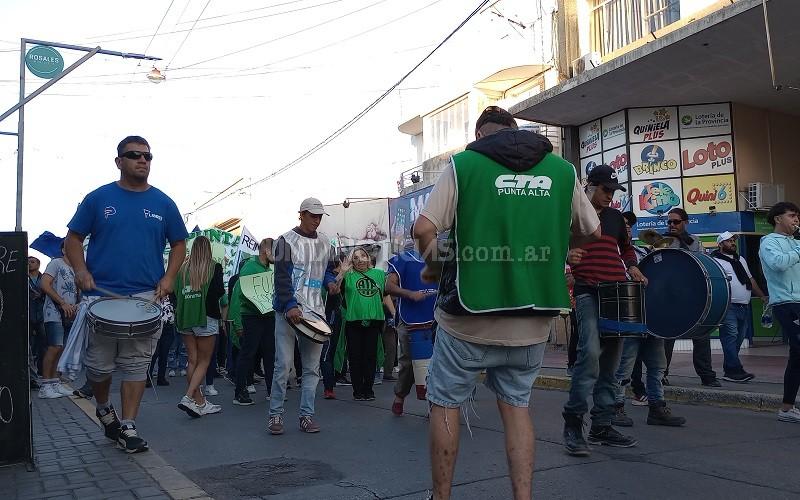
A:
158,27
187,34
353,120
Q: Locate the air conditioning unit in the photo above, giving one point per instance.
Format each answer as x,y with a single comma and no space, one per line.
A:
761,195
585,62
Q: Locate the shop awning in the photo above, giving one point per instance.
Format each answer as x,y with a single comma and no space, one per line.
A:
720,57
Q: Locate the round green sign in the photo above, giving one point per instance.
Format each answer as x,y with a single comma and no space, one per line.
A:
44,61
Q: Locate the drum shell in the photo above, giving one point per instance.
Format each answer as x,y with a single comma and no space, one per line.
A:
688,293
420,344
622,309
123,329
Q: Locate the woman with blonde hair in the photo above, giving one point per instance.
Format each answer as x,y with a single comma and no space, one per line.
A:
198,289
363,290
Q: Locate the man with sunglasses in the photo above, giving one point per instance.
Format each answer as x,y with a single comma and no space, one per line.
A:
611,258
129,223
678,221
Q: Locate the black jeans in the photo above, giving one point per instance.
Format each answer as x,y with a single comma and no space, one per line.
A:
787,314
258,332
701,358
161,352
328,353
362,351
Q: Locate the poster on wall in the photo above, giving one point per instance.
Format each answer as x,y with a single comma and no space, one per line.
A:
587,164
622,199
618,160
655,160
706,156
705,119
589,136
700,194
613,130
652,124
403,211
657,197
362,223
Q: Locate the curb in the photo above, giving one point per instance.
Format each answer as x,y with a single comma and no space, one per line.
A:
727,399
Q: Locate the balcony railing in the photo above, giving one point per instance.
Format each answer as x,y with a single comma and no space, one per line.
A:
617,23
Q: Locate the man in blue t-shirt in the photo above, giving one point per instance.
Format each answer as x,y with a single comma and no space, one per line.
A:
129,222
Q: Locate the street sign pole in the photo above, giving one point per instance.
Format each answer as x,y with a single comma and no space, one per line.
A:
20,134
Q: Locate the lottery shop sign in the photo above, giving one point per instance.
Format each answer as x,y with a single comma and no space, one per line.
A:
708,155
652,124
700,194
589,135
656,197
655,160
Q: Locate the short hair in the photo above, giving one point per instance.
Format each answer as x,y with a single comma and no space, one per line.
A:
495,114
780,208
131,139
680,213
630,218
266,242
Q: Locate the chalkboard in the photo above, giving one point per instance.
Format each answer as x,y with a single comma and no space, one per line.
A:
15,396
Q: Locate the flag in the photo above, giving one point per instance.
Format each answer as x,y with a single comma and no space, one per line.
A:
248,246
49,244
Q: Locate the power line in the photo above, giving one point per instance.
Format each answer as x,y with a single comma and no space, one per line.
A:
353,120
158,27
187,34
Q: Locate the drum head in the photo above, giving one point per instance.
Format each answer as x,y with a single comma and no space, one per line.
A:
318,325
124,310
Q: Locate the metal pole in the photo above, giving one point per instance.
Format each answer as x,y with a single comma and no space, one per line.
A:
20,134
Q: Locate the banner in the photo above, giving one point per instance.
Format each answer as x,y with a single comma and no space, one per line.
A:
652,124
701,223
655,160
15,402
224,249
705,119
259,289
361,223
589,136
618,160
656,197
587,164
700,194
248,247
614,132
706,156
403,211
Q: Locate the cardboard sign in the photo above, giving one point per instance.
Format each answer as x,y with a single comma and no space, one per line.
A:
259,289
614,132
589,135
655,160
706,156
705,119
702,193
652,124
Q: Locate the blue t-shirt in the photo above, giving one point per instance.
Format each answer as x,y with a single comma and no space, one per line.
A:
128,231
407,266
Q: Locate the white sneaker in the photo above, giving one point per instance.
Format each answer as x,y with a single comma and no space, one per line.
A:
188,405
792,415
171,373
251,389
59,388
208,408
48,391
209,390
378,378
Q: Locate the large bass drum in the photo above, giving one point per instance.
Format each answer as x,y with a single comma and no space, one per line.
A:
687,293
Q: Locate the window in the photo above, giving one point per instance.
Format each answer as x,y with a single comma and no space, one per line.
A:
446,129
617,23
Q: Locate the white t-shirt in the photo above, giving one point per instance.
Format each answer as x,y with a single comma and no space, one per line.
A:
739,293
63,284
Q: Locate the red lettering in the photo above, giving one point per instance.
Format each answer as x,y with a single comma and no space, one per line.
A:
712,152
694,195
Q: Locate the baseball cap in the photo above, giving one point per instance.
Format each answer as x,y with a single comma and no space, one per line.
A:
725,236
312,206
604,175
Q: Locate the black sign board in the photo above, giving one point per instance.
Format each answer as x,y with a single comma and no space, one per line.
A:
15,400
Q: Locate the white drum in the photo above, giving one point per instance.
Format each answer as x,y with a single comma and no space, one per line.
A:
315,329
124,317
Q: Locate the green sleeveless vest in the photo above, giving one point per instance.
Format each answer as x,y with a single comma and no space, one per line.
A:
190,310
512,233
364,298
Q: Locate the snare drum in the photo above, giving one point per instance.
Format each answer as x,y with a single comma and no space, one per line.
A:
314,329
124,317
622,309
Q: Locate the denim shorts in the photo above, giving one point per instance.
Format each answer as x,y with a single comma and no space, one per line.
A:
456,366
55,333
211,328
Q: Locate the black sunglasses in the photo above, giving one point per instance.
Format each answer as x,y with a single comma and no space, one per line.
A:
135,155
674,222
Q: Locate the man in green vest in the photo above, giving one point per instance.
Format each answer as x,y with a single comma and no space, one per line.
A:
512,207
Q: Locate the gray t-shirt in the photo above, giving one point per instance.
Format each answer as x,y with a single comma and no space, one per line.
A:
63,284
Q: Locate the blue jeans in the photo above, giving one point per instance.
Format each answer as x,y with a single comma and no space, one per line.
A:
732,332
177,358
284,357
595,367
651,349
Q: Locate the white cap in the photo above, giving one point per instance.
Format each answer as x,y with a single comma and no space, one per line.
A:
312,206
725,236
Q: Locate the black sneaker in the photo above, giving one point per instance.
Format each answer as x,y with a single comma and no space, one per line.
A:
739,378
110,422
661,415
343,381
712,383
84,392
369,397
243,399
574,442
620,418
609,436
129,441
162,382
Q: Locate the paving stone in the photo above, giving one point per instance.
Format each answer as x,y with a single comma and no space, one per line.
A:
87,491
147,491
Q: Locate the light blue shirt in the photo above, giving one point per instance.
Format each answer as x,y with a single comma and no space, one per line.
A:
780,260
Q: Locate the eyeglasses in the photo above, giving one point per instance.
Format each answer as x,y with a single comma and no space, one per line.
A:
674,222
135,155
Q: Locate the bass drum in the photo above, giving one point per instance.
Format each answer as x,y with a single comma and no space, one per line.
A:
687,293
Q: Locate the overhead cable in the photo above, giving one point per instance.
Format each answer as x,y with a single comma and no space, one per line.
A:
187,34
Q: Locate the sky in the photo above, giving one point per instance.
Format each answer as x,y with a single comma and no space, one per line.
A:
254,85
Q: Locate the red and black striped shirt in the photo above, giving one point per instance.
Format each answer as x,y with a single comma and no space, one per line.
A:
608,258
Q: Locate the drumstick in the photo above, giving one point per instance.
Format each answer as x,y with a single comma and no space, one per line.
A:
118,296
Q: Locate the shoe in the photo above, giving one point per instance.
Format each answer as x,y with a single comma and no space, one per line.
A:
48,391
83,392
570,370
62,389
147,383
171,373
574,442
110,422
188,405
209,390
243,399
639,400
422,392
258,377
792,415
230,379
162,382
665,381
378,378
712,383
397,408
359,397
661,415
328,394
308,425
128,439
620,418
35,385
275,425
209,408
609,436
739,378
343,381
251,389
369,397
183,372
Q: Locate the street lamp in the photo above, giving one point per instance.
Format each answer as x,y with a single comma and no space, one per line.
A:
155,76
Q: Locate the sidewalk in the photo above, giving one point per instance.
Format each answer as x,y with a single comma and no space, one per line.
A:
75,461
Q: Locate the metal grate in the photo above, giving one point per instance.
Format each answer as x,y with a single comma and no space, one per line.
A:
617,23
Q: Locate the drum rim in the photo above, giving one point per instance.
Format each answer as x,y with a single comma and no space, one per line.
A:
136,299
